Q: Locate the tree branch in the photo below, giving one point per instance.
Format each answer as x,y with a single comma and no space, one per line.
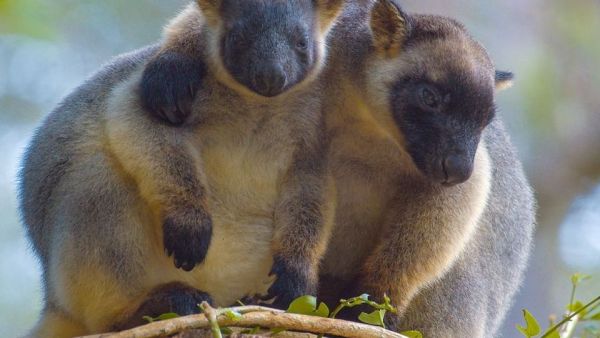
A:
253,316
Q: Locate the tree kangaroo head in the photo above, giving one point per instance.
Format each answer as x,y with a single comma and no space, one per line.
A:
268,46
437,82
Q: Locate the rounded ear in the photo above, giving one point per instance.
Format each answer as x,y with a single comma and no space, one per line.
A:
327,12
504,80
390,27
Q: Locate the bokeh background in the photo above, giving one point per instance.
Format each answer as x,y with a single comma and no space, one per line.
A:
48,47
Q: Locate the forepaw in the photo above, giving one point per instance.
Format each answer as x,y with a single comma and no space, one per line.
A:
174,297
291,282
169,85
187,237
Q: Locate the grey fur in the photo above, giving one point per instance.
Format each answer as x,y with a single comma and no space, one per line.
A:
49,156
68,195
475,295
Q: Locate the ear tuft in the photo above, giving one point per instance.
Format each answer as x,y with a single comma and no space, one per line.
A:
504,80
390,27
328,11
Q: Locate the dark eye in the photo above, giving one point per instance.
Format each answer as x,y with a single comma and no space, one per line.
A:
301,44
429,98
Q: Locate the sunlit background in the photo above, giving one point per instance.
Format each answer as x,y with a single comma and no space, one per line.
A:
48,47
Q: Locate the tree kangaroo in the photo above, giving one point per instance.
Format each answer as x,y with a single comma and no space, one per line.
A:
432,203
429,190
238,193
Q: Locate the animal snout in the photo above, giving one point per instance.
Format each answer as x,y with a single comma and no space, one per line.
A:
455,169
271,81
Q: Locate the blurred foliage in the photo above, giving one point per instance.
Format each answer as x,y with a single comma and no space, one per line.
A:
28,17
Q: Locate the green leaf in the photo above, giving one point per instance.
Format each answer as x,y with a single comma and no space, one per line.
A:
164,316
576,307
373,318
277,330
233,315
387,300
595,317
412,334
226,331
254,330
304,305
578,278
553,334
322,311
307,305
532,327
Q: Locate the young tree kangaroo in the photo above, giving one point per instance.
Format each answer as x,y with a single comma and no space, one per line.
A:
410,98
239,192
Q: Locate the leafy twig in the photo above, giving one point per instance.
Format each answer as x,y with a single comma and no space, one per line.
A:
360,300
211,315
571,316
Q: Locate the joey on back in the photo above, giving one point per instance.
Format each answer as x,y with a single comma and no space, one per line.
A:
259,48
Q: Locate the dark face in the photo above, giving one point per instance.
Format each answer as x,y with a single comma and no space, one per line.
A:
442,123
268,46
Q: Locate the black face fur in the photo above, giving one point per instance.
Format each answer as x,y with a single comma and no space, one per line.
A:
442,122
269,46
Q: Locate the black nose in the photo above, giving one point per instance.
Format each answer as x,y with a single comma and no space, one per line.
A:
457,169
271,81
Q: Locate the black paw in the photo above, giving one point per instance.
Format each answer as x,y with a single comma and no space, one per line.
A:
187,238
168,298
292,281
178,298
186,301
169,85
